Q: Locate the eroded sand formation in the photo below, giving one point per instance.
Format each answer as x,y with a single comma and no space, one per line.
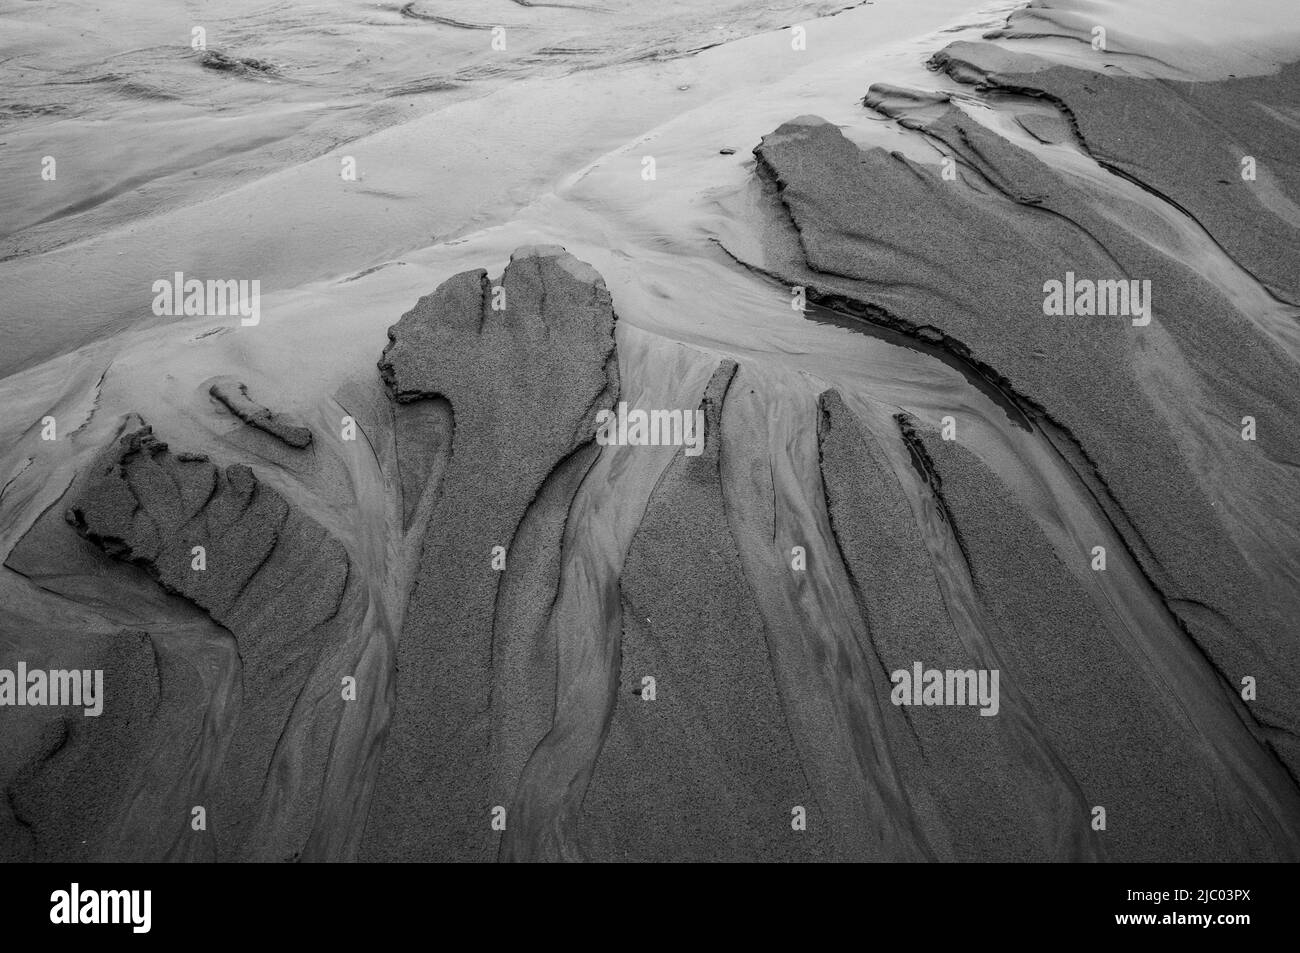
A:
234,397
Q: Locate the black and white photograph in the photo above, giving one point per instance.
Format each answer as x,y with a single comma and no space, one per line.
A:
669,431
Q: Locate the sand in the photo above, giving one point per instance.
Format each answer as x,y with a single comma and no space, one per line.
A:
440,620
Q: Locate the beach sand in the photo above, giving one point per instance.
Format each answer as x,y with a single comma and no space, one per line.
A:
440,616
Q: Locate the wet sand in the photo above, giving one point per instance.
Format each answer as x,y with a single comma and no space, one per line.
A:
440,619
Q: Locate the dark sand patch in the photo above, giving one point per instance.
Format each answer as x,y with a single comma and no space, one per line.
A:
998,797
67,786
233,395
858,214
523,384
272,576
1129,750
1183,141
235,65
708,770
